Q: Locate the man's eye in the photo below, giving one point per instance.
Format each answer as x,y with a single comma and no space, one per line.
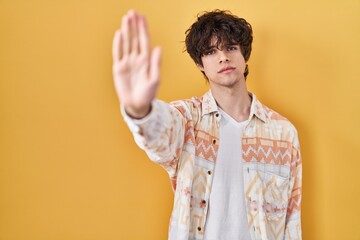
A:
210,52
232,48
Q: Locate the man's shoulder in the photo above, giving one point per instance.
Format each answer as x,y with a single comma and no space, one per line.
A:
273,115
189,105
194,101
277,119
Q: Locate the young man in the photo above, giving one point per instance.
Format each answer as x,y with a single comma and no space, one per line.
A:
234,164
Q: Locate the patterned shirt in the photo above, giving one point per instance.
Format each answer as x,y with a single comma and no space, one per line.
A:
183,137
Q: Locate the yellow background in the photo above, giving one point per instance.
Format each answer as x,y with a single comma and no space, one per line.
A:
69,168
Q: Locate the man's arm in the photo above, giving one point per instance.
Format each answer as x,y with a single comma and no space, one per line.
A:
158,128
293,218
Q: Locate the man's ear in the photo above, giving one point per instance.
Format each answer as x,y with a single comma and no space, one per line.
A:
200,67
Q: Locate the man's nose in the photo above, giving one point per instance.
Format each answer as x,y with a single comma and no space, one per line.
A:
223,57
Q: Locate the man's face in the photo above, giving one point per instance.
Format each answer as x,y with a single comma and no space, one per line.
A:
223,66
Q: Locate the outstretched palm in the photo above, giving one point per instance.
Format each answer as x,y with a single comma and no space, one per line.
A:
136,72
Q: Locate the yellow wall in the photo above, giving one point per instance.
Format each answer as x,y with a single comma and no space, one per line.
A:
69,168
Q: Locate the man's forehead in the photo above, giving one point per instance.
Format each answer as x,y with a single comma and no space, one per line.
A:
217,42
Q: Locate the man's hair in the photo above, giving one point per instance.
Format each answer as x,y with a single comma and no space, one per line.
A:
225,27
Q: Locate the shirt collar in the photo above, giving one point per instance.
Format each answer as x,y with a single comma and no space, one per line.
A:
209,105
258,109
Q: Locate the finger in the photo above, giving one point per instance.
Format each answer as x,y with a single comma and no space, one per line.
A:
125,34
134,32
144,39
117,46
155,63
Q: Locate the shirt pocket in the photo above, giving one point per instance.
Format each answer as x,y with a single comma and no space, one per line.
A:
275,184
275,196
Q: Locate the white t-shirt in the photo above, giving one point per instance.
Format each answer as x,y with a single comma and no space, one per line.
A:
226,219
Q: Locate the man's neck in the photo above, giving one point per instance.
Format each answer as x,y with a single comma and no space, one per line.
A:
235,101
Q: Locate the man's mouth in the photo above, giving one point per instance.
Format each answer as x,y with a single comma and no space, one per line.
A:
226,70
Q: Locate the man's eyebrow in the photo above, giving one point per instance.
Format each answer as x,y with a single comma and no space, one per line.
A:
211,47
224,45
231,44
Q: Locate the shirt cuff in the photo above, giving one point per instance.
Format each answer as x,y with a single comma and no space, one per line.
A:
135,125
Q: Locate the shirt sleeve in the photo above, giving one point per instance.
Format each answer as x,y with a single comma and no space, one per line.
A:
160,134
293,219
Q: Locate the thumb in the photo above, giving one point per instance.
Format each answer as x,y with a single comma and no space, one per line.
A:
155,63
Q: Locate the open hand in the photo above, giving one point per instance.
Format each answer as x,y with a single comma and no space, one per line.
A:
136,71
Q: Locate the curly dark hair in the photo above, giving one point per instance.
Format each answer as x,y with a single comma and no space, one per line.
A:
225,27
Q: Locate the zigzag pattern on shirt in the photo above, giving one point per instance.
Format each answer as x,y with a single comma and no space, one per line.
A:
266,151
206,145
266,154
206,150
276,229
294,202
189,137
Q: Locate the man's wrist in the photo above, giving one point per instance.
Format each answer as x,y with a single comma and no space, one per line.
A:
137,113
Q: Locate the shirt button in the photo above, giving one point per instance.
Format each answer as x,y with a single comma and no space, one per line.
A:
203,201
214,141
199,228
209,172
217,115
